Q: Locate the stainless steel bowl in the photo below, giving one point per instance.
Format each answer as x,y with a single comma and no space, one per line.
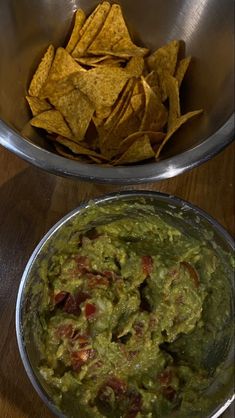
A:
181,214
27,27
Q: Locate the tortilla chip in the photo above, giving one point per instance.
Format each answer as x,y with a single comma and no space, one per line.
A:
153,81
92,29
77,111
98,61
140,150
155,138
101,85
37,105
172,89
80,18
135,66
182,69
53,122
114,38
56,88
77,148
61,150
183,119
88,20
155,115
63,65
42,72
163,61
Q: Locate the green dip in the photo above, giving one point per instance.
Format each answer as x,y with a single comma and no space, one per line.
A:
131,310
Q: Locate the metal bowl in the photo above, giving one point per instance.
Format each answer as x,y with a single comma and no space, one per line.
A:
179,213
27,27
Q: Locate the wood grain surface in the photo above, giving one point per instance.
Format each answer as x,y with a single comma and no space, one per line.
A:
31,201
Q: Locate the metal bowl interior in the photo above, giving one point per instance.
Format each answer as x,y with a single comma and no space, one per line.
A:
192,221
206,26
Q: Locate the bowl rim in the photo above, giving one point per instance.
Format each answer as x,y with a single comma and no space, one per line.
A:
136,174
110,197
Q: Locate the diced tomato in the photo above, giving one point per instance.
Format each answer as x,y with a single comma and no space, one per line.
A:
82,263
135,404
119,386
71,306
147,264
139,328
90,310
169,393
95,280
79,358
60,297
65,331
81,297
192,272
165,377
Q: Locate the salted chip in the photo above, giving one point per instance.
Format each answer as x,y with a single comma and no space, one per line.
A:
42,72
101,85
92,29
164,61
53,122
153,81
155,115
172,88
37,105
140,150
182,69
77,148
56,88
155,138
63,65
98,61
77,111
115,114
80,18
135,66
179,122
114,37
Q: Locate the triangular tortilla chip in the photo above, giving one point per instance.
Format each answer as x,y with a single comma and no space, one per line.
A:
77,148
114,37
80,18
155,116
182,69
140,150
56,88
164,61
52,121
101,85
155,138
172,89
98,61
92,29
77,111
135,66
42,72
37,105
63,65
183,119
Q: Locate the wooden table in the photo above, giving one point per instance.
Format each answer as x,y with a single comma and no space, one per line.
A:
31,201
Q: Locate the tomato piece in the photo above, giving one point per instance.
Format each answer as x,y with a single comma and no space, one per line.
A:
82,263
65,331
90,310
95,280
169,393
147,264
81,297
79,358
192,272
70,306
165,378
60,297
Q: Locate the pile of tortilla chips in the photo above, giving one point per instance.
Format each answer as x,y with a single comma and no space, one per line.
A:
102,99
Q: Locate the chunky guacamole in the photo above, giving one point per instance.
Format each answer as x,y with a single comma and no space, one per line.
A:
130,310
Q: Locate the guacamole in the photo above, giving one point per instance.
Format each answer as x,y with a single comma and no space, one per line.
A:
130,309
